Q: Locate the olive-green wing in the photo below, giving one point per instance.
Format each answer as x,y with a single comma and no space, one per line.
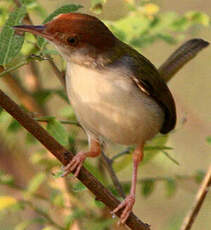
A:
147,79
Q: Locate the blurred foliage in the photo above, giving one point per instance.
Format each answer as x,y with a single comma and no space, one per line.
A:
10,44
97,5
143,25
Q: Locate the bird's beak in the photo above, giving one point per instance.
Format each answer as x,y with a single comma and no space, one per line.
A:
36,30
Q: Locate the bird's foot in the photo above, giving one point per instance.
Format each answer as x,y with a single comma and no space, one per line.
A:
75,164
127,206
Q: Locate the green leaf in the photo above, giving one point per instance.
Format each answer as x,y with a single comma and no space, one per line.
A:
77,214
24,225
79,187
94,170
170,187
33,5
131,26
6,179
99,224
61,93
170,158
67,112
199,176
50,52
198,18
167,38
19,206
147,187
58,174
30,139
10,44
62,10
99,204
4,11
126,188
14,126
4,117
208,139
180,24
122,162
42,96
155,146
56,198
35,183
97,5
57,130
28,46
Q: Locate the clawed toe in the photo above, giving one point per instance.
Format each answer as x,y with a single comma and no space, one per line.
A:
127,206
75,164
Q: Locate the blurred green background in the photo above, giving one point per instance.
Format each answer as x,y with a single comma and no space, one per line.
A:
26,168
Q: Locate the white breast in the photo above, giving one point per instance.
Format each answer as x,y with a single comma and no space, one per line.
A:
109,105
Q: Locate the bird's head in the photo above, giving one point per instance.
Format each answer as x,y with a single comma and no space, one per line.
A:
74,34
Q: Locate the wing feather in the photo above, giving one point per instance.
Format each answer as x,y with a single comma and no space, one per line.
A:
149,81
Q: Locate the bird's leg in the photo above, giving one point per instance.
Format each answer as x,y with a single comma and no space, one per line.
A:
127,204
77,161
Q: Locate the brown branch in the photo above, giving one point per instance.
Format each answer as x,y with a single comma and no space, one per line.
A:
201,194
64,157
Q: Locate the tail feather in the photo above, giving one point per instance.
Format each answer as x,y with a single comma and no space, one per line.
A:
180,57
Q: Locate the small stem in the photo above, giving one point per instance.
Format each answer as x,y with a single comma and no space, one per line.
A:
21,189
125,152
62,121
200,196
58,73
177,177
13,68
43,214
170,158
114,178
157,147
147,148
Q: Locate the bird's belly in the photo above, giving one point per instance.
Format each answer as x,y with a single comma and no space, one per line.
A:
113,109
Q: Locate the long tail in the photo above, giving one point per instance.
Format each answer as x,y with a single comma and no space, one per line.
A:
180,57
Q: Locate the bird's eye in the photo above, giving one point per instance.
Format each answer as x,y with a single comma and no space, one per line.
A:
72,40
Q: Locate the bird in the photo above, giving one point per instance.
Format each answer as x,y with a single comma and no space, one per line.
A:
117,94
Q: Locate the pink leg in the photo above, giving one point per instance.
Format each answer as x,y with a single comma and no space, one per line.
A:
127,204
77,161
